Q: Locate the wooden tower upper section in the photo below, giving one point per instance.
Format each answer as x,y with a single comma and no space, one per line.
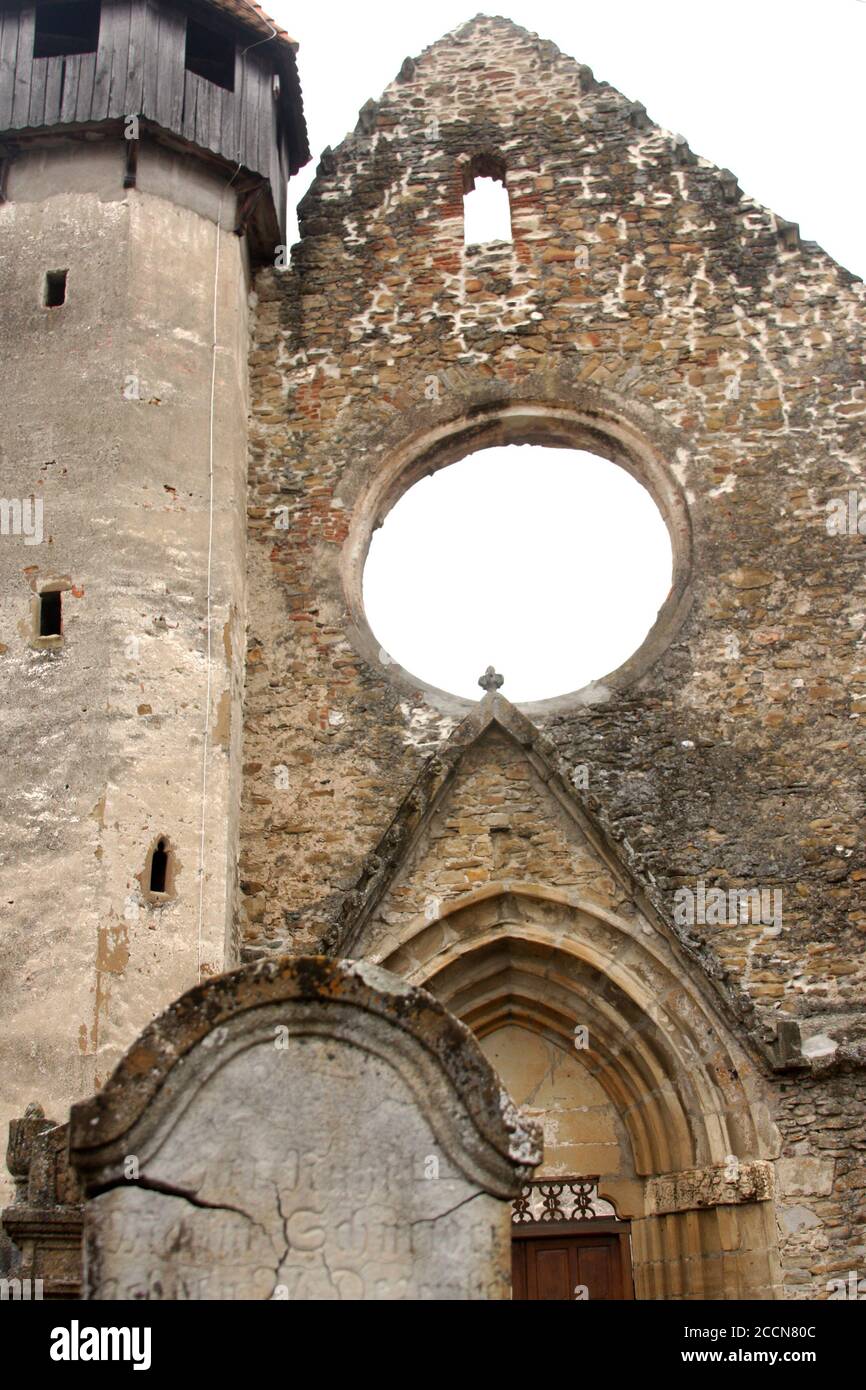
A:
215,77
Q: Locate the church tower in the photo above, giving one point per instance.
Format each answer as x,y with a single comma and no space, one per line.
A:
145,151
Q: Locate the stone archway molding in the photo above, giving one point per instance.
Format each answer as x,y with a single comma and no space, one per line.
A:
568,415
691,1098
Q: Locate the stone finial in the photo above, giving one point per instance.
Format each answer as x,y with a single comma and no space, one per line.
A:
491,680
367,118
682,154
328,162
788,233
730,186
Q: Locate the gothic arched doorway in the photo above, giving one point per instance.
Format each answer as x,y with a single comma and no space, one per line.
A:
676,1104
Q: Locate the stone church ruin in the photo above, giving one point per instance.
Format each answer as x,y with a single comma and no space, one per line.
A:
317,981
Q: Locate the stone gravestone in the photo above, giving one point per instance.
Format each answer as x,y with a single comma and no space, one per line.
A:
302,1129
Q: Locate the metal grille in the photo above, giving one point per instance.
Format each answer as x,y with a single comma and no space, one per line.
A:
560,1199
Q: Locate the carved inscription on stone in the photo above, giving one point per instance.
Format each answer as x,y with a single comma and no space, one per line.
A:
310,1150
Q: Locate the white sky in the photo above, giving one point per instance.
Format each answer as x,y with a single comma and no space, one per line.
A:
486,212
772,89
558,584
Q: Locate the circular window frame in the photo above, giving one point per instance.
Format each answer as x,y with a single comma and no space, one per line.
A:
602,433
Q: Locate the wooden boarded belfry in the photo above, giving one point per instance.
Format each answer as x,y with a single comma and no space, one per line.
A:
137,65
305,1129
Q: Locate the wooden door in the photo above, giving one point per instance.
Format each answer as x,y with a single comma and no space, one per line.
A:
569,1266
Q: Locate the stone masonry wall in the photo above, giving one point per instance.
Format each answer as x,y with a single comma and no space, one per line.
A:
733,348
821,1184
643,292
497,823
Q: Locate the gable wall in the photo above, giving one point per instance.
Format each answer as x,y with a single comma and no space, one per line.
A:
496,822
734,352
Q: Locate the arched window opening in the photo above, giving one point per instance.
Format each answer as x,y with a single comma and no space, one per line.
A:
486,206
159,868
551,563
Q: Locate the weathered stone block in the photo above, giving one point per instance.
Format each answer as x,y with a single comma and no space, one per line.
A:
804,1177
303,1129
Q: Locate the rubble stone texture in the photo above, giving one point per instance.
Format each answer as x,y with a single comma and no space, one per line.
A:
650,311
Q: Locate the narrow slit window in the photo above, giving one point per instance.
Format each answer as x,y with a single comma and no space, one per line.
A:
159,868
210,55
50,614
486,206
63,29
55,288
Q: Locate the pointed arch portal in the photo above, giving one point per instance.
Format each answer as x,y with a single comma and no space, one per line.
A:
639,1036
687,1096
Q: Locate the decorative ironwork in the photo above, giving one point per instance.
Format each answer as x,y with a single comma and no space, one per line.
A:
559,1199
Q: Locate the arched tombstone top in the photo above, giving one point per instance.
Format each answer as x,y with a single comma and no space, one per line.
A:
164,1056
295,1118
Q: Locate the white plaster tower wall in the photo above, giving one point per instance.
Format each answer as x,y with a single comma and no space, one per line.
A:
107,430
